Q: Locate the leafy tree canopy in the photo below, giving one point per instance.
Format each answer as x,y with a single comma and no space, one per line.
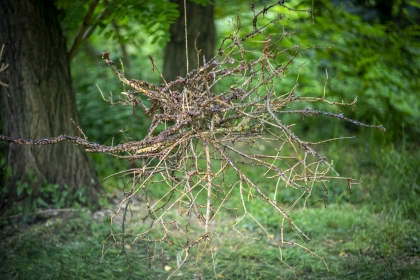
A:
373,60
155,17
376,61
370,50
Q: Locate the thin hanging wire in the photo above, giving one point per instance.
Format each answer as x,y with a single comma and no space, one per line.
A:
186,32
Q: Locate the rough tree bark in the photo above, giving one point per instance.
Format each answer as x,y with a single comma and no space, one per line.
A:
39,102
201,33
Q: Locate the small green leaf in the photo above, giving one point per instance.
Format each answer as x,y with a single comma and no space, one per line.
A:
21,187
41,202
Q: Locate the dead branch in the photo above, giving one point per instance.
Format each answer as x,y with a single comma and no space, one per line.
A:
226,120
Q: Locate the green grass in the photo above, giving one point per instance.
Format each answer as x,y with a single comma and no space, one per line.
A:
372,234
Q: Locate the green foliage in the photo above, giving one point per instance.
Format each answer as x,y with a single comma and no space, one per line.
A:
47,196
100,120
124,16
376,63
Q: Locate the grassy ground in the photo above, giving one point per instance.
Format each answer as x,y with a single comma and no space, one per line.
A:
372,234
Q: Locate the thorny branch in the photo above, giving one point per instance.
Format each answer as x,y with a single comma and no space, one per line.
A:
225,123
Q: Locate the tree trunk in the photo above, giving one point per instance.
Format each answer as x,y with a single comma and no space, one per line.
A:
39,103
201,35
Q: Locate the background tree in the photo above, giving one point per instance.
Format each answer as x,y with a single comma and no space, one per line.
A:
201,37
39,103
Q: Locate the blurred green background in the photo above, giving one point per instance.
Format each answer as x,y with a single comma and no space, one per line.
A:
368,54
371,51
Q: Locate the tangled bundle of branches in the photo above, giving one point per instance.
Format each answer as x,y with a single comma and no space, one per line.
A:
211,123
